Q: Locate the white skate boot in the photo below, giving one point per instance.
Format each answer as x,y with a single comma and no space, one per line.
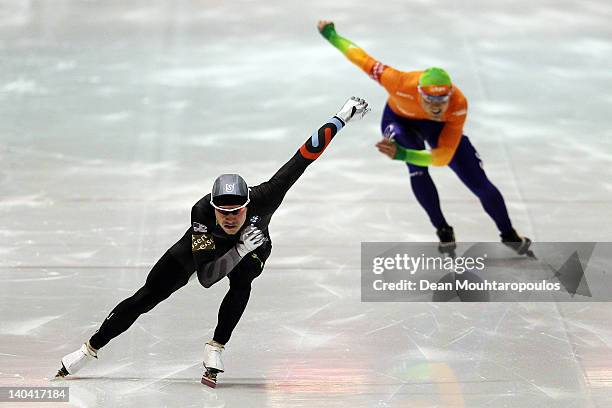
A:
73,362
212,363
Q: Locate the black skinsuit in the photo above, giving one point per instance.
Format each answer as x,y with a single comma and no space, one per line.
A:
207,250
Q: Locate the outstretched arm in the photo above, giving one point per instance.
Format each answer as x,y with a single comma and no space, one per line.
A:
274,190
385,75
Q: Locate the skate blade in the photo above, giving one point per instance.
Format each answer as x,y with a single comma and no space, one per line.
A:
209,382
209,377
62,372
447,251
528,252
447,245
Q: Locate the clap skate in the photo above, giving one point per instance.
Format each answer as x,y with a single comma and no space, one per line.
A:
447,243
518,243
73,362
210,377
212,363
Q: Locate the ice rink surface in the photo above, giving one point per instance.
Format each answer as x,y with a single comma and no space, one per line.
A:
117,116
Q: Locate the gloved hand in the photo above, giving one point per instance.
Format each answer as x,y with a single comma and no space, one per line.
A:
354,108
251,238
326,28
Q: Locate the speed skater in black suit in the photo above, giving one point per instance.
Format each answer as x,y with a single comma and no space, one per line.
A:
229,237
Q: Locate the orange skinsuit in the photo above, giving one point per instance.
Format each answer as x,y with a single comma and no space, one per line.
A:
404,99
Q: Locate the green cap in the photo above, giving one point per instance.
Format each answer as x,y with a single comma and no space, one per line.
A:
435,76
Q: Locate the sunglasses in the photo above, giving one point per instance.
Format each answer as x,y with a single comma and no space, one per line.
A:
230,211
434,98
235,211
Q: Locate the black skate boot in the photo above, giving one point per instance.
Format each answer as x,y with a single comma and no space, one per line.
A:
518,244
447,243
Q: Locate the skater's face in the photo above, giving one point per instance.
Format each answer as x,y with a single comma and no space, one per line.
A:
434,105
231,221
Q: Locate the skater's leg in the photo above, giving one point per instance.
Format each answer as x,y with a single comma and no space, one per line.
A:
166,277
426,194
235,301
232,307
421,182
467,165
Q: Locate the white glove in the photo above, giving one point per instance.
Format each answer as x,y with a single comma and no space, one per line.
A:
354,108
251,238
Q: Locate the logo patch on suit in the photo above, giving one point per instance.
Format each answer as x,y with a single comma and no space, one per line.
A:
197,227
254,219
202,242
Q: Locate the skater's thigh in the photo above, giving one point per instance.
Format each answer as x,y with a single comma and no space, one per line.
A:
247,270
403,136
394,126
167,275
466,162
427,130
399,130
